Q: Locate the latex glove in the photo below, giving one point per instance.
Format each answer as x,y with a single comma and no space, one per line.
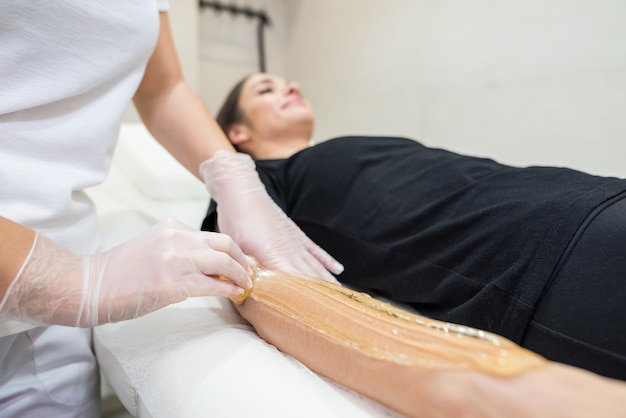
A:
167,264
256,223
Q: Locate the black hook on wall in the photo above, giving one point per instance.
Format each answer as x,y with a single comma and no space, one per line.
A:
262,18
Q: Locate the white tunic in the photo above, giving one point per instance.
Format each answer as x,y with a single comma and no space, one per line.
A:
68,69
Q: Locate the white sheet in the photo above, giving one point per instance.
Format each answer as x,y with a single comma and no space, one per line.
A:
199,358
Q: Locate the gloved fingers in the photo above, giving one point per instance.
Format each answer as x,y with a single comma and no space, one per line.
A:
225,244
319,269
309,258
325,259
216,263
305,265
202,285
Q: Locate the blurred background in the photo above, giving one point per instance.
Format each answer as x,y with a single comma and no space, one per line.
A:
533,82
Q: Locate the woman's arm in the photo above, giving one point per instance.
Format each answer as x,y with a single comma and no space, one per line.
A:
417,366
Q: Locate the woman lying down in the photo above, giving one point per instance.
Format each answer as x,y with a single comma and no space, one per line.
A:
532,254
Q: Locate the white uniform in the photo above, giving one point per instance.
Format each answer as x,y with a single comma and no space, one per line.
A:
68,69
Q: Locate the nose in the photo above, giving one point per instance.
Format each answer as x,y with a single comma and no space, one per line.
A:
292,88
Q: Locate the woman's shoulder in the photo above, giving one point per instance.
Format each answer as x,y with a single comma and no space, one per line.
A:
367,139
362,143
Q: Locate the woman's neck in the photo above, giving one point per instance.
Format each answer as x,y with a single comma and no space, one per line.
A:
276,150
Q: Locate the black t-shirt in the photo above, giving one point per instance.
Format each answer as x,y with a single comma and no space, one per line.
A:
459,238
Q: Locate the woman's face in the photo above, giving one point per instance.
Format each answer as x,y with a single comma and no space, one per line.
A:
274,107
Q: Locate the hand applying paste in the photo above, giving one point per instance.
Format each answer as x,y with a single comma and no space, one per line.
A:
166,264
242,296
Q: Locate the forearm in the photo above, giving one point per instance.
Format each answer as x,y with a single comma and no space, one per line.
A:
409,363
14,248
178,119
558,391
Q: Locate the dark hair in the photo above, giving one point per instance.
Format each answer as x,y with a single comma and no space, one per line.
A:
230,112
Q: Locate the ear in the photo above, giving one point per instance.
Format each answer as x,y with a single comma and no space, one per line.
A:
239,134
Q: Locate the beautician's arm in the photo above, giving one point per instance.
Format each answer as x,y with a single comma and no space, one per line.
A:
178,119
14,248
42,282
172,112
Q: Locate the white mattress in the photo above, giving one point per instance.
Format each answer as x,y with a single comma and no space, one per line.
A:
197,358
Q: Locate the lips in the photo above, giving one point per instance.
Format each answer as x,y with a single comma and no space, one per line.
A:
294,101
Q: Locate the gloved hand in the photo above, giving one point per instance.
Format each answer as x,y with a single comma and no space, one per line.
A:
167,264
256,223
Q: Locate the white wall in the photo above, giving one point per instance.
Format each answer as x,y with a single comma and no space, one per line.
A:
533,82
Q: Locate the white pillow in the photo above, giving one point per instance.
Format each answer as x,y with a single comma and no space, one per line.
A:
151,169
